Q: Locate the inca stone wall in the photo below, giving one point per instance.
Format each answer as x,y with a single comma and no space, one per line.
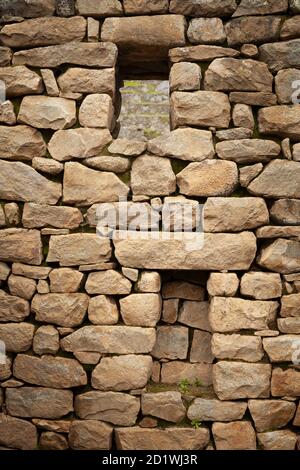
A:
136,343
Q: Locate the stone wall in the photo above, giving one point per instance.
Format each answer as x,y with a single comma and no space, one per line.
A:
136,343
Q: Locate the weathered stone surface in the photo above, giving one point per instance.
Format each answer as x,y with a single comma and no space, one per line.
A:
38,402
204,409
102,9
12,213
290,305
20,182
65,280
283,348
295,6
127,147
46,340
201,347
17,433
182,290
208,178
238,435
110,340
280,256
7,113
5,56
50,82
222,284
47,165
234,380
253,98
122,372
280,55
200,108
117,408
203,7
242,116
235,133
296,421
33,272
284,81
228,74
200,53
54,372
90,358
21,286
17,337
152,176
184,144
21,245
149,281
43,32
108,163
140,7
84,186
141,309
20,81
290,325
240,347
108,282
195,315
137,438
170,310
206,31
53,441
248,173
78,143
220,251
4,271
277,440
164,405
61,309
90,435
248,150
231,314
28,8
273,232
96,111
261,286
280,178
285,383
45,112
171,342
258,7
234,214
81,80
280,120
271,414
252,29
185,76
38,215
290,28
102,54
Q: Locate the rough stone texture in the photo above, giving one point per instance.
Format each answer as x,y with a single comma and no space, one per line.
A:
53,441
102,9
43,32
280,178
289,325
284,348
240,347
261,286
185,76
171,342
39,215
280,55
90,435
17,433
182,290
38,402
200,53
238,435
46,340
203,7
206,31
253,29
141,309
257,7
46,112
20,81
290,28
194,314
137,438
115,407
234,380
271,414
149,282
223,284
108,282
152,176
285,382
290,305
28,8
284,85
140,7
122,372
200,108
248,150
280,256
280,120
21,286
96,111
21,245
201,348
61,309
164,405
277,440
81,80
16,336
205,409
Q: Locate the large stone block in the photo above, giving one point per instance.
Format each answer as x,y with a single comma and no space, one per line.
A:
280,55
41,215
45,112
172,342
257,7
285,382
20,245
207,409
90,435
21,142
284,348
61,309
164,405
20,81
281,121
271,414
101,9
108,282
203,7
17,433
248,150
82,80
141,309
237,347
16,336
280,178
252,29
239,435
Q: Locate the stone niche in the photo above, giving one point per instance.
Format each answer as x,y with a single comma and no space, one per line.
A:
121,329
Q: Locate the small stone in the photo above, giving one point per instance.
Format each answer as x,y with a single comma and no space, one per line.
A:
90,435
285,382
271,414
182,290
171,342
90,358
17,337
296,152
261,286
286,211
149,282
284,82
45,112
141,7
280,256
113,164
237,347
203,7
108,282
290,305
21,286
201,347
141,309
280,120
65,280
93,28
102,9
185,76
238,435
96,111
129,148
200,53
273,232
248,150
33,272
259,98
88,81
268,183
21,142
103,310
42,287
17,433
53,441
296,421
50,82
290,29
222,284
61,309
36,215
170,310
204,409
253,29
277,440
164,405
242,116
152,176
249,50
7,113
148,422
290,325
206,31
194,314
256,7
5,56
21,245
46,340
248,173
47,165
4,271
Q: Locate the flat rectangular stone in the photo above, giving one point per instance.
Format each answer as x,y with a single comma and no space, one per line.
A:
253,98
21,245
200,53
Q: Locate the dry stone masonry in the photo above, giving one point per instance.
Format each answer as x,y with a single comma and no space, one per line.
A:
112,339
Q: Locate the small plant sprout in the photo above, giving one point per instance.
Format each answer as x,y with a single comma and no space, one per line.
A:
184,385
196,423
198,383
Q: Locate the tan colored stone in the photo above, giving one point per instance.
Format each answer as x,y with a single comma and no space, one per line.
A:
110,340
128,147
20,81
185,76
50,82
238,435
65,280
90,435
120,373
42,287
277,440
5,369
149,282
235,133
201,347
93,27
280,256
84,186
17,433
46,340
164,405
271,414
284,348
141,309
103,310
78,143
53,441
21,286
61,309
206,409
275,232
108,282
21,142
170,310
117,408
280,121
280,55
200,53
47,371
290,325
7,113
82,80
78,248
203,7
238,347
285,382
228,74
140,7
253,29
38,402
43,32
47,165
223,284
113,164
90,358
261,286
290,305
102,9
257,7
33,272
4,271
96,111
234,380
253,98
5,56
184,144
21,245
242,116
248,173
284,81
269,184
102,54
46,112
152,176
16,336
194,314
290,28
171,342
12,213
206,31
296,421
37,215
200,108
137,438
248,150
62,426
182,290
219,252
